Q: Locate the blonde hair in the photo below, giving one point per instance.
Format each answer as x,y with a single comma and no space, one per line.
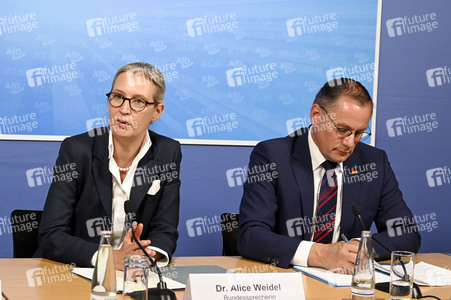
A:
149,72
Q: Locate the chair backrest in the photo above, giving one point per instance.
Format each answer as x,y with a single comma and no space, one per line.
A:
229,224
25,225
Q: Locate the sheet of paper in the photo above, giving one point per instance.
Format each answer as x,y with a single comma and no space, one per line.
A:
335,279
425,274
153,279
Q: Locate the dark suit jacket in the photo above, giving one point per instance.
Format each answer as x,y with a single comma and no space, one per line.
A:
69,230
268,207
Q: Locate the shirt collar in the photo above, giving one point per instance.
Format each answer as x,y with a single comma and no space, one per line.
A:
316,155
145,146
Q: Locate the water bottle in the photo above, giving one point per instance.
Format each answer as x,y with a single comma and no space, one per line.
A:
103,284
363,278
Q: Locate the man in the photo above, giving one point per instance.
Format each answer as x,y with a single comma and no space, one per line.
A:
298,211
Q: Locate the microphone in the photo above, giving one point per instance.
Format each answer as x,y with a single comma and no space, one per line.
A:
384,286
162,292
358,213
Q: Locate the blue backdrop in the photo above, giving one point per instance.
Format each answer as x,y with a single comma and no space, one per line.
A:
412,108
227,65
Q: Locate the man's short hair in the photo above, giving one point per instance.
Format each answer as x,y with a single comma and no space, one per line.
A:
149,72
336,88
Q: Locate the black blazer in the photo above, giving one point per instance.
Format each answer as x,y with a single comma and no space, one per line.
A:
76,210
269,209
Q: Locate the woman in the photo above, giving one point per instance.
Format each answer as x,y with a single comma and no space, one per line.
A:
123,162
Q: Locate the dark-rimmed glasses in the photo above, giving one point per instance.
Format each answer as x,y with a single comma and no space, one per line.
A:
343,133
136,104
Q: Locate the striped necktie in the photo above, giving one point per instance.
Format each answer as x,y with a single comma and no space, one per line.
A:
327,204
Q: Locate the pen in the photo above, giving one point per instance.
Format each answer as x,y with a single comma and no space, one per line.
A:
344,238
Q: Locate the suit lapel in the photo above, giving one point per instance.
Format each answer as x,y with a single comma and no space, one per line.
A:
302,168
351,194
102,177
142,181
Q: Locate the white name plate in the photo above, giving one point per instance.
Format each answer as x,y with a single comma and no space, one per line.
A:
242,286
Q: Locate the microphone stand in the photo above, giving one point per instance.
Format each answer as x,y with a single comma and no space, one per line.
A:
162,292
161,284
358,213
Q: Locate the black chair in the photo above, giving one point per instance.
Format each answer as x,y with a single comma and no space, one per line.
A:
229,224
25,225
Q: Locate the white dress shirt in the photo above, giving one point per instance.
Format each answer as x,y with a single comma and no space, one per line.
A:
121,193
301,256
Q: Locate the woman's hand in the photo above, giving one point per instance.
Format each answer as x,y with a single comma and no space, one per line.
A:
130,247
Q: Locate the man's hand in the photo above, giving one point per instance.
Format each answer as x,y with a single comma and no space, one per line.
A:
129,247
334,256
